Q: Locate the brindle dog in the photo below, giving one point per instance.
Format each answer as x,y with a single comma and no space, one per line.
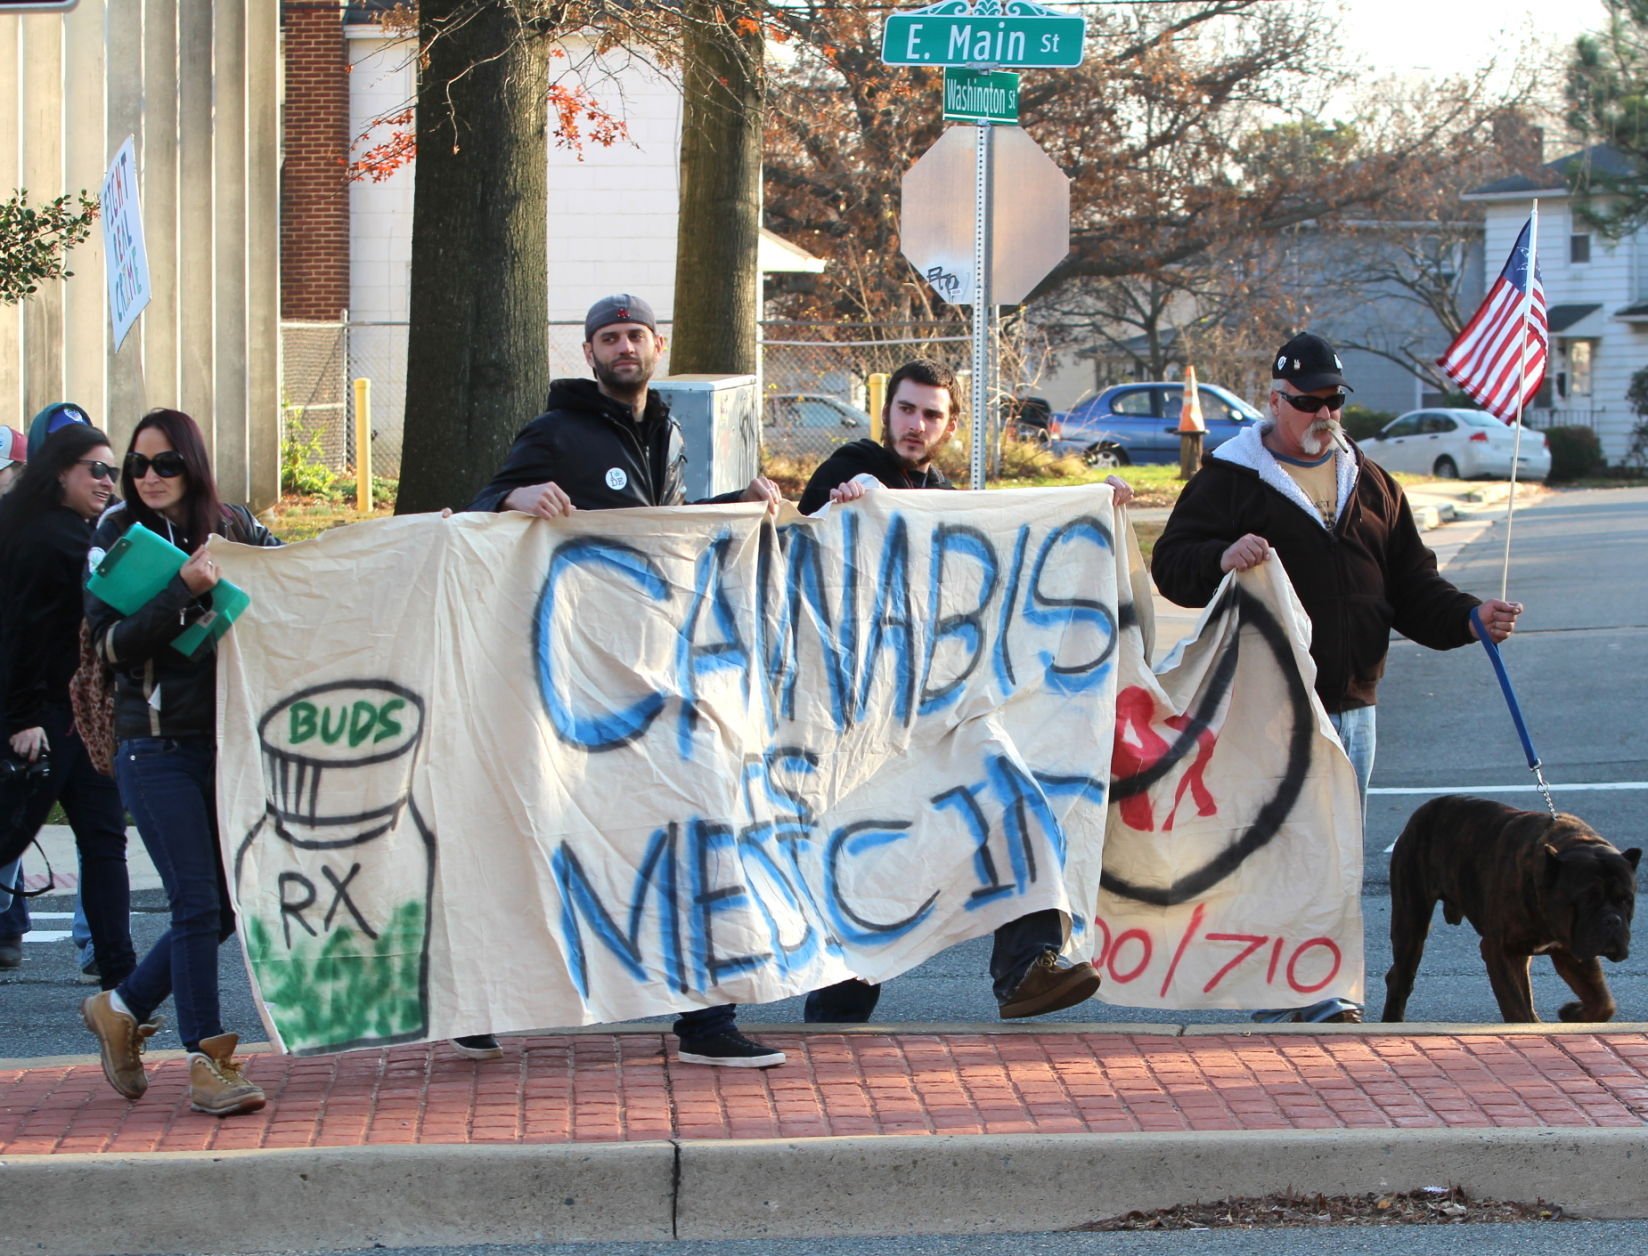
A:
1529,884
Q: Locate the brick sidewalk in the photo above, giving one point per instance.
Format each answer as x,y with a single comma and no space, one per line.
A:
614,1087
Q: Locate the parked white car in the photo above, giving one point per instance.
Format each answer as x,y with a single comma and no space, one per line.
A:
1452,444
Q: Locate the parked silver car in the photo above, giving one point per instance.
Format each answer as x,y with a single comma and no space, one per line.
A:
1452,444
810,423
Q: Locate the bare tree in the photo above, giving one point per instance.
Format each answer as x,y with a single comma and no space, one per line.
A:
477,353
716,275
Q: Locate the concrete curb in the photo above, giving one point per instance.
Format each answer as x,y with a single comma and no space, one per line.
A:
1006,1183
321,1198
822,1187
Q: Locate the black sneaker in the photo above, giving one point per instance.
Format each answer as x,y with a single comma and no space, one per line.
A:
730,1050
478,1047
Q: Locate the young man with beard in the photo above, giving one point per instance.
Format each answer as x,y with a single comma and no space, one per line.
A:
917,420
601,444
1030,977
1295,487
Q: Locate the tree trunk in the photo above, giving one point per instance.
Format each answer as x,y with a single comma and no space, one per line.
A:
477,348
716,306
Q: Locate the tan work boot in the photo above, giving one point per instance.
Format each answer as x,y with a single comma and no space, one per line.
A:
120,1041
216,1084
1051,985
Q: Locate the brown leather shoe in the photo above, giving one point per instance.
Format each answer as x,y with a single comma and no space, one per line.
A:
1051,985
216,1084
120,1041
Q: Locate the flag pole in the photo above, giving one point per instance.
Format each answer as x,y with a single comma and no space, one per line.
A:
1521,392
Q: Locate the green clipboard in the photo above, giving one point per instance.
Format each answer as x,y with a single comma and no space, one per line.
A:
228,600
140,564
137,566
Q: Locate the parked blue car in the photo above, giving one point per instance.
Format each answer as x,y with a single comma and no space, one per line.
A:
1139,423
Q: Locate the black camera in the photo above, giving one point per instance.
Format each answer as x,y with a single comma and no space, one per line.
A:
30,773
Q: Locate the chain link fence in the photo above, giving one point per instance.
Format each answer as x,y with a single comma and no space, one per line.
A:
314,394
814,376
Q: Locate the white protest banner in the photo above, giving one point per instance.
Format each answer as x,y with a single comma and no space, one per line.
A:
499,773
125,258
1233,862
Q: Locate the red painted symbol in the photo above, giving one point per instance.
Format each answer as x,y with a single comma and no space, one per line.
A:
1139,747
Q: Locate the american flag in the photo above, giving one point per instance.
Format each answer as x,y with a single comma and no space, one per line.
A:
1499,359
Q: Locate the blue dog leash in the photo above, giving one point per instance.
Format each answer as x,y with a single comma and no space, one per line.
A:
1534,764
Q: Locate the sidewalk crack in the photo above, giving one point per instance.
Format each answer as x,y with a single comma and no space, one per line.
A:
675,1188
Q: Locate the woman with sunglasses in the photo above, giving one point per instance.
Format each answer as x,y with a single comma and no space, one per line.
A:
166,762
45,529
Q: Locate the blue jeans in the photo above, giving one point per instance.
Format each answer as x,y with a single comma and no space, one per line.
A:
1019,943
1358,732
92,805
705,1022
14,908
80,931
168,785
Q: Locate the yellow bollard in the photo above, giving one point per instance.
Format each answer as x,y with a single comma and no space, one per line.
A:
877,401
363,446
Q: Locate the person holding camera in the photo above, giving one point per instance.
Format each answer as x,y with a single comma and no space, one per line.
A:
45,532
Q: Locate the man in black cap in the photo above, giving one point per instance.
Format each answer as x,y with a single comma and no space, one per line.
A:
600,444
608,441
1297,488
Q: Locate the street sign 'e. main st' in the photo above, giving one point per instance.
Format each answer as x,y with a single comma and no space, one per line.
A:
1014,34
1020,225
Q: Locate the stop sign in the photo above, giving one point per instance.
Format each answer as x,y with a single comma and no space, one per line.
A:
1028,215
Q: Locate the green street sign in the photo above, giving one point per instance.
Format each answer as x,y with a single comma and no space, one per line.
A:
1011,33
981,95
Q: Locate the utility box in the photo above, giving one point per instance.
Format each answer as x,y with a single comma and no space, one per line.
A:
721,421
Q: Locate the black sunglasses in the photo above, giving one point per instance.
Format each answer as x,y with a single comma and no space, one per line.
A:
1310,405
168,465
100,470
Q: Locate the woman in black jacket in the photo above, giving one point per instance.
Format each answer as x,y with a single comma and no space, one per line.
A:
45,530
166,764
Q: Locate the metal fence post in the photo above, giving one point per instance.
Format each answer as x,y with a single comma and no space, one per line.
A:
876,399
363,446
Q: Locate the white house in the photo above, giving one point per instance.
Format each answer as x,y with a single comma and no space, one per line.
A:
1596,290
612,210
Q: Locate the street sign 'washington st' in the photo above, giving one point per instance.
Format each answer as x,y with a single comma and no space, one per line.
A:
981,95
1014,33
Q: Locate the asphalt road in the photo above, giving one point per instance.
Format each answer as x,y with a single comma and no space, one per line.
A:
1579,663
1593,1238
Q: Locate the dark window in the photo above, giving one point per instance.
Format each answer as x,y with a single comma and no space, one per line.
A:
1407,425
1134,401
1216,407
818,412
1579,247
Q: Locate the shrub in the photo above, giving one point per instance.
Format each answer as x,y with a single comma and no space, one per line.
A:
302,470
1575,452
1360,422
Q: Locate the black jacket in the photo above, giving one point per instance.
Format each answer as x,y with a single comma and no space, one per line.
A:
1367,574
40,610
158,691
860,456
594,449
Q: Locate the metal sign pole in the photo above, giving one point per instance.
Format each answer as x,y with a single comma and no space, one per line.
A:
981,299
